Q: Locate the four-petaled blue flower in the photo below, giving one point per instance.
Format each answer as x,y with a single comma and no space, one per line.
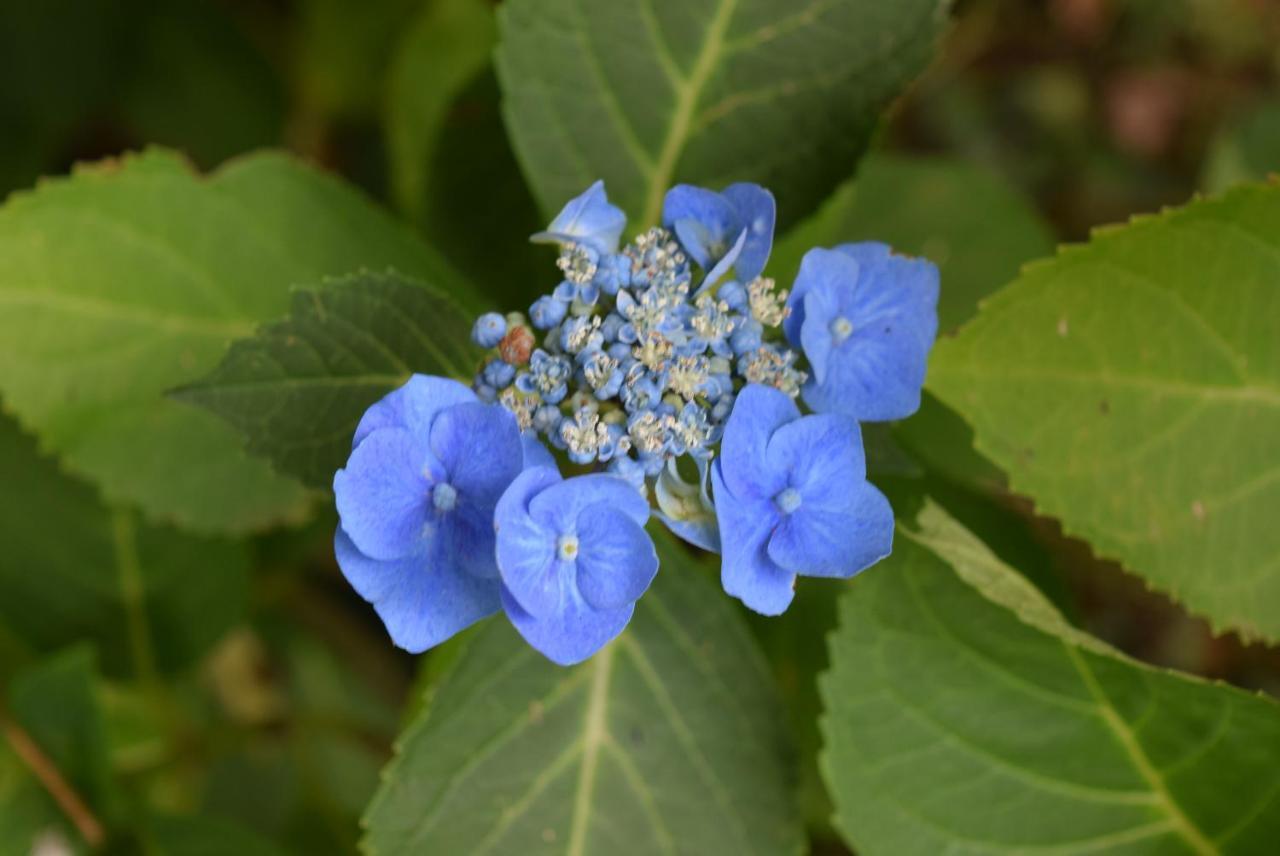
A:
416,501
792,498
865,319
574,558
730,229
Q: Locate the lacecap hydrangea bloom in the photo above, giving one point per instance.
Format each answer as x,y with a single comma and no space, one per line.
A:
657,379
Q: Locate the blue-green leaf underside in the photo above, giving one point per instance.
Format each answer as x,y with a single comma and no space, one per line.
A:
670,740
647,94
964,715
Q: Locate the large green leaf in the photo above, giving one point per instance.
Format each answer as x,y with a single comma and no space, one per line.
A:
298,388
969,222
964,715
130,278
148,597
668,741
1131,387
650,93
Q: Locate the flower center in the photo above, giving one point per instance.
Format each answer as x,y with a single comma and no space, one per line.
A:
567,547
841,329
787,501
444,496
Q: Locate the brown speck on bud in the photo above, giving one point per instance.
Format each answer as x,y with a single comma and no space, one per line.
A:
516,346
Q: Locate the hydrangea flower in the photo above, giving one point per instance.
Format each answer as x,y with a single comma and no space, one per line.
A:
730,229
792,498
416,502
574,558
642,353
865,319
664,356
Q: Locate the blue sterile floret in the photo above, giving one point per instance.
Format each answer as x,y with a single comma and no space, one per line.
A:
415,504
660,371
574,558
792,498
866,319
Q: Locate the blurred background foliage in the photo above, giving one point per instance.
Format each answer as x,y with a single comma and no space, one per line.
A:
260,706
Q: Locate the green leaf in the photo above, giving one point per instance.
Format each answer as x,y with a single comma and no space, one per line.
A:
448,46
130,278
644,95
148,597
967,220
965,715
341,53
669,740
206,836
298,388
446,143
55,703
1246,151
1131,387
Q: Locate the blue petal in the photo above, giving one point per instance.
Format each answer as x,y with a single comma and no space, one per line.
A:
616,559
413,405
571,636
757,212
746,570
422,604
820,454
383,493
815,336
904,289
466,536
874,376
757,413
819,542
480,448
703,532
828,271
535,454
727,261
705,222
559,506
587,219
675,496
526,549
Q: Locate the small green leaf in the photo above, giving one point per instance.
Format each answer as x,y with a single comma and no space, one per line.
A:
298,388
448,46
130,278
968,221
206,836
670,740
447,145
965,715
1131,387
1246,151
146,596
647,94
54,702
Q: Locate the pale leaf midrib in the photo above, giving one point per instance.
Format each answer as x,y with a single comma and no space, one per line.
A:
594,734
1187,830
686,105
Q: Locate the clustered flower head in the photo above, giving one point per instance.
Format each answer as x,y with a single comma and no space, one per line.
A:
657,378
